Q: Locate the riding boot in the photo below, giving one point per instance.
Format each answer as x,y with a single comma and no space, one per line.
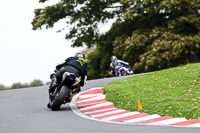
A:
76,89
54,83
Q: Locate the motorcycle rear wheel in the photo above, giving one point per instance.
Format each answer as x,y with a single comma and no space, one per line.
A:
59,100
124,73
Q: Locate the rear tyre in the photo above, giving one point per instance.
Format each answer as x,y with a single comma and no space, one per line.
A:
59,99
124,73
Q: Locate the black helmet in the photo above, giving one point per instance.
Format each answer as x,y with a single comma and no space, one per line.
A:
113,58
81,55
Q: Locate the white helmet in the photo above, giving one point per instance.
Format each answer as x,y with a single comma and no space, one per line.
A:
81,55
113,58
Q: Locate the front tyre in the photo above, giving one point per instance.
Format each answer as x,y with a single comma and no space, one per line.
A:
59,98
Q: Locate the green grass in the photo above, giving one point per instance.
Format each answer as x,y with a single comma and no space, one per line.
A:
171,92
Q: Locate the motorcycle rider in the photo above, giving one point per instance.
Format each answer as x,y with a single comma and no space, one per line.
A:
76,65
116,64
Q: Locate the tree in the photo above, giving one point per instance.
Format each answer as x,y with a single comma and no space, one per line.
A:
166,34
18,85
82,16
35,83
2,87
149,34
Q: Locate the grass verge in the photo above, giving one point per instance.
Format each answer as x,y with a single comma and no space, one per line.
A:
171,92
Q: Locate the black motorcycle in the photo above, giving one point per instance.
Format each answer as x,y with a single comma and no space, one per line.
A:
63,93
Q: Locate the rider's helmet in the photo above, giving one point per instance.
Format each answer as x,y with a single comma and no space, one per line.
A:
81,55
113,58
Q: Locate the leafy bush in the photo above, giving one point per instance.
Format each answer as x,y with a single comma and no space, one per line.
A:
36,82
17,85
2,87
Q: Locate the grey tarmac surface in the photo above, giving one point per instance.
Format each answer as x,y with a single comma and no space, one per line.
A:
25,111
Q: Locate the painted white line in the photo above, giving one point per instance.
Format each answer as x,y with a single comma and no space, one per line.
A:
89,105
74,108
99,97
79,113
95,106
119,116
143,118
96,111
88,95
108,113
96,88
194,125
168,121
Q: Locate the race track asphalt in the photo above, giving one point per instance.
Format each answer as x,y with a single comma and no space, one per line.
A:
24,111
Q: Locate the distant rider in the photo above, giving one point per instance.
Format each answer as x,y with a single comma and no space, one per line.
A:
116,64
76,65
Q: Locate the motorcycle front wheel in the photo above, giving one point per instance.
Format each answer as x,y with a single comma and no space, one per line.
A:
59,98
